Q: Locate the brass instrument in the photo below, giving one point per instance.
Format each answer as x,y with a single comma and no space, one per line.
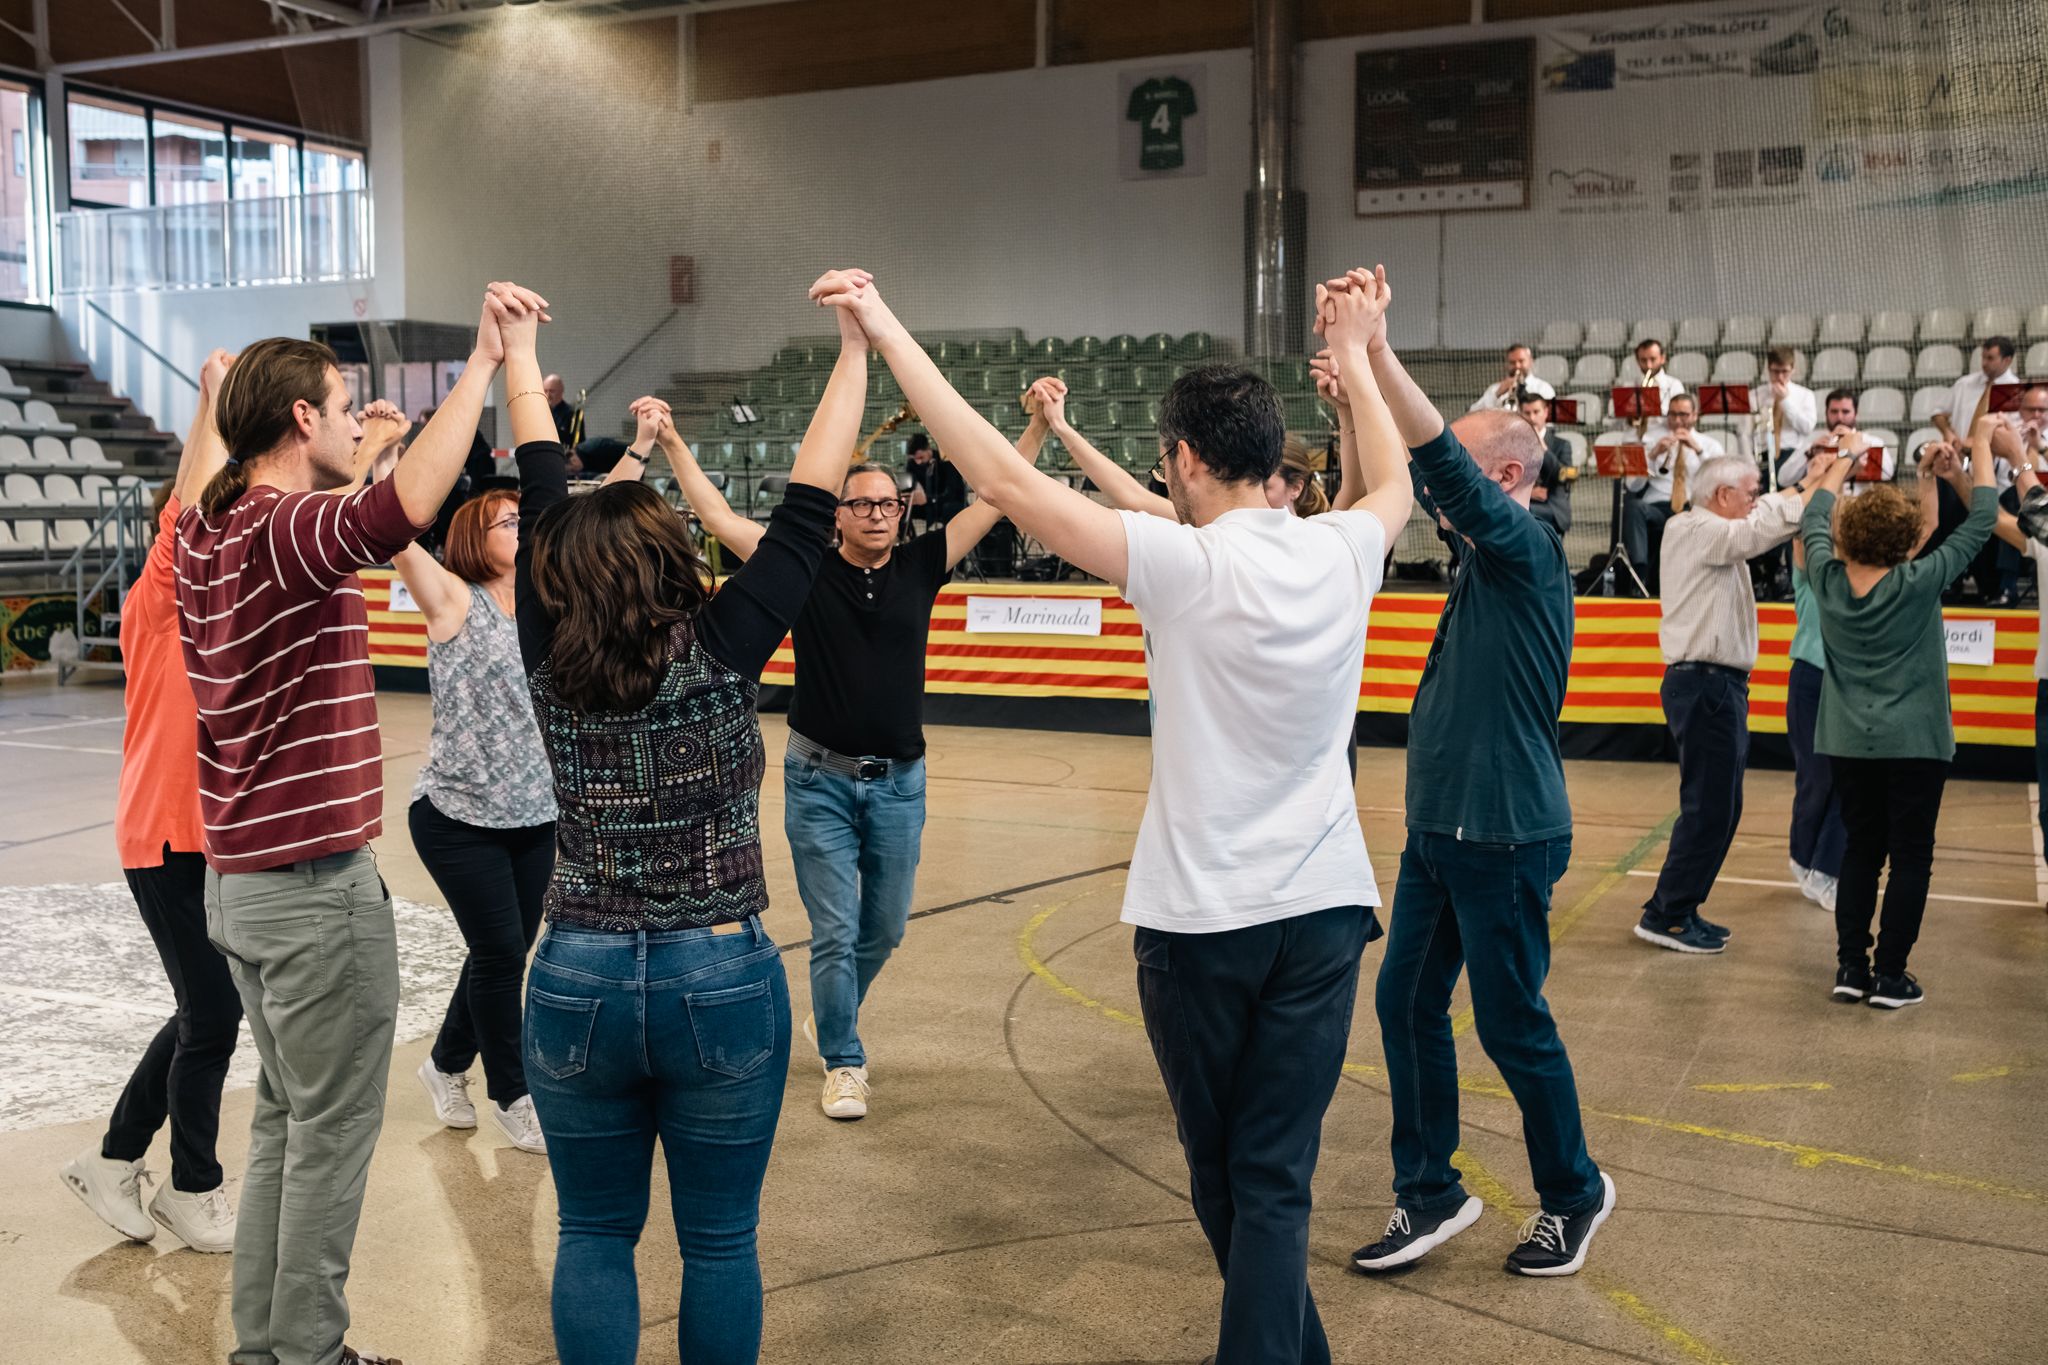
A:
903,414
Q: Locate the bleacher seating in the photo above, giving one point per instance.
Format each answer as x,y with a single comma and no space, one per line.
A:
1894,327
1689,368
1940,361
1745,332
1944,324
1885,364
1565,336
1928,400
1735,367
1841,329
1995,321
1698,334
1792,329
2037,322
1833,366
1594,370
1881,404
1605,334
1651,329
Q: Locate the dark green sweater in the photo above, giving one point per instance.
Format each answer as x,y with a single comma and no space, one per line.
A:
1483,762
1885,693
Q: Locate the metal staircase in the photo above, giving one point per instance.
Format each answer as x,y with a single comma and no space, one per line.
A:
112,555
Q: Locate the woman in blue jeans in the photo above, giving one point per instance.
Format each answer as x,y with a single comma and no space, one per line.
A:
656,1005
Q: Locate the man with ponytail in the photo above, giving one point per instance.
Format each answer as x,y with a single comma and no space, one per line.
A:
276,644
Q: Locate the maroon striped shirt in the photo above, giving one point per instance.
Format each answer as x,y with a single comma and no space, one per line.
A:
277,644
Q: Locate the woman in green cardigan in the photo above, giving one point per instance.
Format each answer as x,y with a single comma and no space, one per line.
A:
1884,712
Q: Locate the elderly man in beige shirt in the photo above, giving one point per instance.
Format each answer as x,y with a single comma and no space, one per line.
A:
1708,636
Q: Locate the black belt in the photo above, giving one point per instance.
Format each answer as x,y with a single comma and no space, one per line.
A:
861,769
1695,666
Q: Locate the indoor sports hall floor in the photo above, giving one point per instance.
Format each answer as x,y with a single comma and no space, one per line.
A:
1798,1181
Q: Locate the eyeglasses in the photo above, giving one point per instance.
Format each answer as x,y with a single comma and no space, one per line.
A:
510,523
887,508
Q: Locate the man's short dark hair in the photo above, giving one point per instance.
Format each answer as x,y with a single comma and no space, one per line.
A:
2005,346
1637,349
1781,355
918,442
1835,394
1230,417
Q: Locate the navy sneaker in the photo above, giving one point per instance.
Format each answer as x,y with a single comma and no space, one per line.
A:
1852,983
1685,936
1554,1245
1720,931
1411,1236
1895,992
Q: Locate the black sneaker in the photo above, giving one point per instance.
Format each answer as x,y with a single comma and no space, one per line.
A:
1895,992
1686,936
1852,983
1551,1245
1411,1236
1719,931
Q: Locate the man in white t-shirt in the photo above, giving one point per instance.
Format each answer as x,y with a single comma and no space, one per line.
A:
1250,886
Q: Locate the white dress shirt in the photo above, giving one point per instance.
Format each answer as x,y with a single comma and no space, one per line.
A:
1798,416
1657,488
1968,393
1709,609
1491,399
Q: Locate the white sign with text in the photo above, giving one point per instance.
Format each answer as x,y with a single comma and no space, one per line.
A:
1971,642
401,599
1035,615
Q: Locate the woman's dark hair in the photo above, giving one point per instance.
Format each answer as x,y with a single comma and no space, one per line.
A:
616,569
1230,418
254,407
1879,527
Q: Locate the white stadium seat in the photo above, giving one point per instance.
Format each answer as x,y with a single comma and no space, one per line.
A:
1835,365
1698,334
87,452
1577,441
54,452
20,490
91,485
2037,361
129,480
1929,399
1893,327
1651,329
1592,406
1909,454
1881,404
2037,322
1841,329
69,535
61,488
1594,371
10,389
1735,367
1744,332
1792,329
44,417
1553,370
7,537
1887,362
1944,324
1996,321
1690,368
10,416
1939,362
1605,334
1561,336
14,450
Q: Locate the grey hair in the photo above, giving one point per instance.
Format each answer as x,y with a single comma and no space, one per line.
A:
1717,473
1494,438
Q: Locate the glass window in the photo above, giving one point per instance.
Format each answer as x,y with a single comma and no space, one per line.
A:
23,223
330,169
191,160
109,153
266,165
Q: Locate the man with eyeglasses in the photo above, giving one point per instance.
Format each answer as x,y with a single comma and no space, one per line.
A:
853,778
1709,640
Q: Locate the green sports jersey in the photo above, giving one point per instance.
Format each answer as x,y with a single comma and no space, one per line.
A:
1158,108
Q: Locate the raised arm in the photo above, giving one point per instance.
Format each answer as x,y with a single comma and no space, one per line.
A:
1118,484
378,453
829,442
1938,465
1355,320
433,462
650,415
736,533
1330,384
204,451
1073,526
443,598
1415,417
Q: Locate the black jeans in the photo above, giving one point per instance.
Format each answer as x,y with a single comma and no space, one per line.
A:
2041,752
1249,1027
1707,707
1642,534
180,1074
1890,806
494,880
1817,833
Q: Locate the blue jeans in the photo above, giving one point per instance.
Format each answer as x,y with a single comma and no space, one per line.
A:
1707,708
1494,899
1818,835
1249,1028
856,846
682,1035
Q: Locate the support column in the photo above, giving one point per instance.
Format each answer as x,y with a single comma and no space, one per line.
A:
1275,208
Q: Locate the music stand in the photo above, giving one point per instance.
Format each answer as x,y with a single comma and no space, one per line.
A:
744,417
1619,462
2004,397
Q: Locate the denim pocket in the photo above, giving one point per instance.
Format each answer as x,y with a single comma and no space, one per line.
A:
558,1029
907,780
735,1029
798,771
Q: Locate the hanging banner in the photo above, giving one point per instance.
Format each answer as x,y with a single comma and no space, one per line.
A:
1762,43
1162,131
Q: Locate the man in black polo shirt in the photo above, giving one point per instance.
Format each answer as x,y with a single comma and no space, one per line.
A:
853,779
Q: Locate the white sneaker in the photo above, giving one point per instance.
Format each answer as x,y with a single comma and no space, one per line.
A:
203,1222
450,1095
112,1190
518,1122
1798,872
846,1093
1820,889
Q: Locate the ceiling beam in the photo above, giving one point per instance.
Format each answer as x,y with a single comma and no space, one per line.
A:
321,9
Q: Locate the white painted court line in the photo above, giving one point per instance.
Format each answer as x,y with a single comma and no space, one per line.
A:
66,725
57,748
1793,886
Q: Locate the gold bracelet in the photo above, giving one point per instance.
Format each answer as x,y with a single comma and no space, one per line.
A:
524,393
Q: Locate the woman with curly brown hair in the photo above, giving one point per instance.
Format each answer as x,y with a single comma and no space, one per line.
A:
1884,707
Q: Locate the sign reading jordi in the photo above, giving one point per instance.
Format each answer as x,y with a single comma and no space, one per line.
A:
1035,615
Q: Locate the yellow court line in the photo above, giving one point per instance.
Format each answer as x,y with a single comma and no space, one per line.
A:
1560,925
1988,1074
1735,1088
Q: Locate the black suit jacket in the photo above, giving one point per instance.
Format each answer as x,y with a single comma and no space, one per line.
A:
1557,508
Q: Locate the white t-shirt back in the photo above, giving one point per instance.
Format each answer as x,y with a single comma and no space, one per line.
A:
2039,554
1254,641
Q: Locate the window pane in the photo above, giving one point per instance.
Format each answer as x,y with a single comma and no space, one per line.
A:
109,153
265,165
329,169
191,161
21,225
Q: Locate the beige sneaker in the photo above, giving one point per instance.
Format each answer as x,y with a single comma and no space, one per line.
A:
203,1222
846,1093
450,1095
113,1190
